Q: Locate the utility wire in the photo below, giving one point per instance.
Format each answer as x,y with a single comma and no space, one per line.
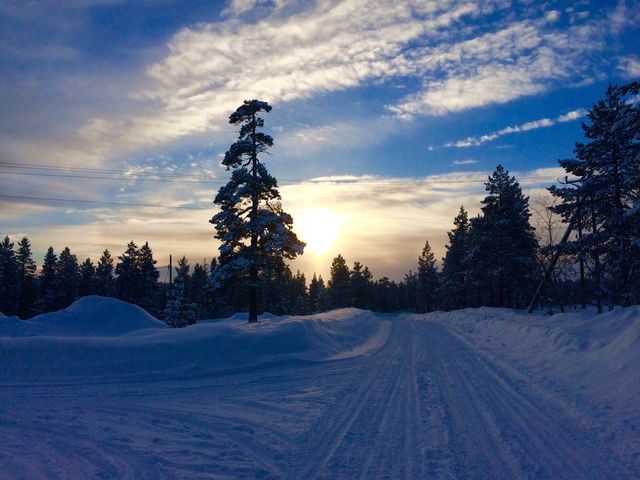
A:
93,177
96,202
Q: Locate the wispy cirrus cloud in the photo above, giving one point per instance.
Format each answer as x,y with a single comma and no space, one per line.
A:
332,46
525,127
629,67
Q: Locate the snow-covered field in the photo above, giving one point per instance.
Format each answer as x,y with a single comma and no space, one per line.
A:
103,390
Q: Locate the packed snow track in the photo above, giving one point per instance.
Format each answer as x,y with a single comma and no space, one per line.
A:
422,401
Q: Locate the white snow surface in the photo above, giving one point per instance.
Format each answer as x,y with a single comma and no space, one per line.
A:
103,390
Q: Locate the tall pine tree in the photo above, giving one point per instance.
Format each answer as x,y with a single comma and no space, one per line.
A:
251,225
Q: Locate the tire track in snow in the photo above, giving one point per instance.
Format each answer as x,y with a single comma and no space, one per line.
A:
504,430
380,422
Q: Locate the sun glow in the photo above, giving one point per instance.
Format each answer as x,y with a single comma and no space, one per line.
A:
317,227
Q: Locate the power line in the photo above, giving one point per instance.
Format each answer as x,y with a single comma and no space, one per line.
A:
93,177
62,168
97,202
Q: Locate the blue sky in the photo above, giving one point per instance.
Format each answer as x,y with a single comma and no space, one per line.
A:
400,108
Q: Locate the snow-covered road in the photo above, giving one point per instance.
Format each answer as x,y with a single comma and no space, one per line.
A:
425,404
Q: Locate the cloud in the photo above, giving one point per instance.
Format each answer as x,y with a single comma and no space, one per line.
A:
629,67
521,59
553,16
333,46
464,162
525,127
624,16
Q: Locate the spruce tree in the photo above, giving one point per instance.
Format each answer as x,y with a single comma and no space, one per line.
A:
49,283
453,264
128,275
198,288
299,297
251,225
179,311
409,292
339,285
427,280
87,279
9,279
318,297
27,274
502,257
386,295
104,275
149,275
69,277
360,286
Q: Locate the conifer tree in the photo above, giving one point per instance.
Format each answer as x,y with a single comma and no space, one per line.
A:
453,264
128,275
339,284
179,311
104,275
149,279
69,277
198,288
427,280
386,295
409,292
360,283
318,298
502,254
27,274
9,279
251,224
299,295
87,279
604,198
49,283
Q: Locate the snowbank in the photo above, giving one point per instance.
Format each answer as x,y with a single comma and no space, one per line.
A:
88,316
104,340
578,352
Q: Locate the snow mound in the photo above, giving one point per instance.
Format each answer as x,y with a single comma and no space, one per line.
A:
595,353
88,316
164,353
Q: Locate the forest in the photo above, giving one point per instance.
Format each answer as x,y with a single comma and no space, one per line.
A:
495,259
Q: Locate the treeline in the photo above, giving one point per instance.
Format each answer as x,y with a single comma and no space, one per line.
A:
62,279
493,259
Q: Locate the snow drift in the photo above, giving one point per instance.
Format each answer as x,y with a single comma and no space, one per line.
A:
583,353
98,339
88,316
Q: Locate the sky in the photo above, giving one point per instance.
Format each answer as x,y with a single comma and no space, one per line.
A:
387,115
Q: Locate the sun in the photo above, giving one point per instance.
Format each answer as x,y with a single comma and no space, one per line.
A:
317,227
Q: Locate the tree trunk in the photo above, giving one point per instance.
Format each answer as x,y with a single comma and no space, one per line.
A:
253,272
596,259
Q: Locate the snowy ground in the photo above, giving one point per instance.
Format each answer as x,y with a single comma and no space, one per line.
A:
105,391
